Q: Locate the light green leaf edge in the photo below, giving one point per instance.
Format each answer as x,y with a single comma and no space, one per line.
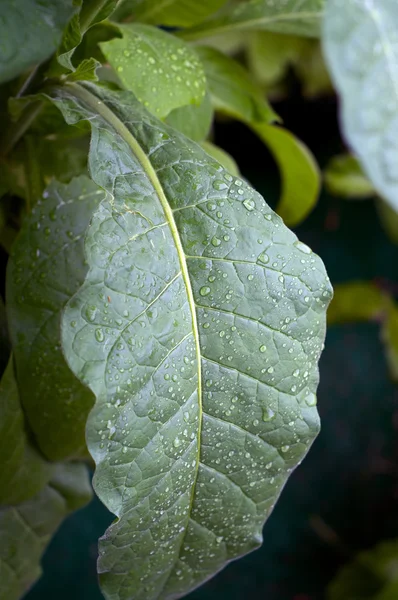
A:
125,430
26,529
222,157
359,40
291,17
163,72
45,269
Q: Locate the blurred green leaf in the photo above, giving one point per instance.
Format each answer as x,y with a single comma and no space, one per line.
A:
388,219
356,301
269,55
290,16
360,46
344,177
162,71
23,470
177,13
26,529
223,157
389,336
5,345
193,121
30,31
372,575
299,172
232,90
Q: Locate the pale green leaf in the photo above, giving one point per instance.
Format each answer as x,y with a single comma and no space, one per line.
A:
177,13
23,471
361,49
203,360
45,269
371,575
344,177
299,17
162,71
312,70
222,157
356,301
193,121
299,172
26,529
85,71
30,31
388,219
232,90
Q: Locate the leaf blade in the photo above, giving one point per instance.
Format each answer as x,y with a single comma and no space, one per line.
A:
156,348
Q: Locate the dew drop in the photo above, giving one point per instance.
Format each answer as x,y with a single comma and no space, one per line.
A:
204,290
263,258
268,414
99,335
263,348
215,241
249,204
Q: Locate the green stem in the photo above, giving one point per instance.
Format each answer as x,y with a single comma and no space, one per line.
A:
21,126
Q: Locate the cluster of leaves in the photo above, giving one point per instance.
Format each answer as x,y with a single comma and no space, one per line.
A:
159,317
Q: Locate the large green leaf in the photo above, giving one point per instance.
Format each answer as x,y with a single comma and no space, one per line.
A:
232,90
23,471
26,529
46,268
179,13
361,49
357,301
30,31
300,174
162,71
301,17
198,328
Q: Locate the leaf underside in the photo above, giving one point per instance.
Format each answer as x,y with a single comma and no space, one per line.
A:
198,328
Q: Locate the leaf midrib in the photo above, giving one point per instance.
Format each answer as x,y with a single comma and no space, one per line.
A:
100,108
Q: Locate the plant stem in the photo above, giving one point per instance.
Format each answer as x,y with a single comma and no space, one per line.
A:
21,126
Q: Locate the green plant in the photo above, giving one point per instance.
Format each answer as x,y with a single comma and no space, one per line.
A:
160,319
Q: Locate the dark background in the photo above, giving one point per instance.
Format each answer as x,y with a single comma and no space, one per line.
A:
344,496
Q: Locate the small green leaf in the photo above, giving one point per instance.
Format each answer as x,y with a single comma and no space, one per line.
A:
177,13
290,16
222,157
45,269
232,90
23,471
360,47
204,359
30,31
26,529
356,301
372,575
162,71
91,12
388,219
299,173
344,177
269,55
85,71
193,121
